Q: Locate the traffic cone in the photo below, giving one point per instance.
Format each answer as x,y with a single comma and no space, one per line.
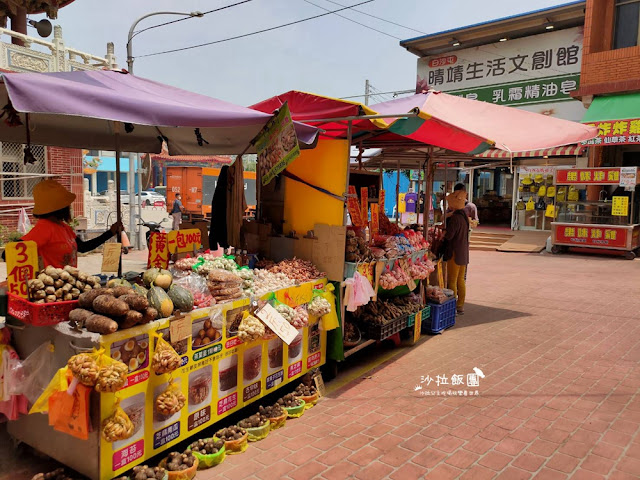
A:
124,239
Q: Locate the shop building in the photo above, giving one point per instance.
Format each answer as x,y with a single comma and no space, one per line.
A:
530,61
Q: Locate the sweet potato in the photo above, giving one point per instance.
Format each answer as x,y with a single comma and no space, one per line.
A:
135,301
86,299
79,316
120,291
131,319
149,315
109,305
100,324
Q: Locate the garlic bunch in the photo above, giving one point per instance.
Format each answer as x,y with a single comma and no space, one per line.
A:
265,282
250,329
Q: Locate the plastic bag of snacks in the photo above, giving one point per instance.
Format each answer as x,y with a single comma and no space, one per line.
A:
171,400
197,285
323,305
165,358
118,426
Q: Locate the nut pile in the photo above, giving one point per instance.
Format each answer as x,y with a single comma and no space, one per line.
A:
177,462
231,433
273,411
319,306
143,472
85,368
112,377
165,358
251,329
301,317
254,421
207,446
289,401
298,270
265,281
60,285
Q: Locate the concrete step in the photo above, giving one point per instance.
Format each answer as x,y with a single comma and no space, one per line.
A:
485,248
485,244
501,236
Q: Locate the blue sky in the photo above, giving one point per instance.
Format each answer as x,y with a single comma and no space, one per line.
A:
329,56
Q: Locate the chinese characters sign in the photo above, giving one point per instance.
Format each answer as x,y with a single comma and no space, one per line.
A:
539,69
616,132
583,176
158,250
22,265
184,240
277,145
591,236
620,206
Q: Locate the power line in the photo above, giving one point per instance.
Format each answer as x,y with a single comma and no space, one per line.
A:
354,21
253,33
378,18
394,92
189,18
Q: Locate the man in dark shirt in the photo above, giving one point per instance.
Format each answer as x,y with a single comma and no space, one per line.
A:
176,212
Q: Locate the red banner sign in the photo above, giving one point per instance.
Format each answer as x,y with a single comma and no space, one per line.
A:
353,206
616,132
158,250
581,176
364,205
591,236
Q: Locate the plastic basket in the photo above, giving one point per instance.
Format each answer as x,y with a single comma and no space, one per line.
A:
442,315
411,320
39,314
380,332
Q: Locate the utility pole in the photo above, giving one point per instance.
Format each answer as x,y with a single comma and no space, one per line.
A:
367,89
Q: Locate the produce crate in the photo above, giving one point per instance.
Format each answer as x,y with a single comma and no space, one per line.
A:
380,332
411,320
443,316
39,314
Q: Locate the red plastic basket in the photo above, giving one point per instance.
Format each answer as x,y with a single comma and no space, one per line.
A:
39,314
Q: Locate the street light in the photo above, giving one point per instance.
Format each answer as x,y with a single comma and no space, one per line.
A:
134,157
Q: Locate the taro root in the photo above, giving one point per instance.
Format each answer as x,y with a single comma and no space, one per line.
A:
231,433
303,390
273,411
254,421
289,401
207,446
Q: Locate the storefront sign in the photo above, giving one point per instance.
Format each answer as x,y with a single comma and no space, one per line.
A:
158,250
533,171
218,378
616,132
591,236
628,177
539,69
277,145
620,206
22,265
183,241
111,257
582,176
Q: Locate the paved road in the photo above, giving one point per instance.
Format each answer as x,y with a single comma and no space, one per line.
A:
558,340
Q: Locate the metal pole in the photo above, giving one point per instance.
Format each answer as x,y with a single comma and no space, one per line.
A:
366,92
514,211
131,185
116,128
398,192
139,232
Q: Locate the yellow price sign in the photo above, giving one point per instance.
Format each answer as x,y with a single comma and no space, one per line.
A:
22,265
620,206
440,274
182,241
417,327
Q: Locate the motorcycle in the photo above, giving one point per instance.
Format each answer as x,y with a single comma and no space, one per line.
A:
153,228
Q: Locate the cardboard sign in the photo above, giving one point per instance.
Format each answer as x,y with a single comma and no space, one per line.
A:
180,328
277,145
620,207
111,257
277,323
181,241
320,385
417,327
22,265
158,251
364,205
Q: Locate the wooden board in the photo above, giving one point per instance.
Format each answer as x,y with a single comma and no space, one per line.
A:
526,242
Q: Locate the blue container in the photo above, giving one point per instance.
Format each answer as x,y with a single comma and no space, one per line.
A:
443,316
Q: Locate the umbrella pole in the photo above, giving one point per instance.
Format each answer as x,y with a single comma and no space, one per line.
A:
116,128
398,192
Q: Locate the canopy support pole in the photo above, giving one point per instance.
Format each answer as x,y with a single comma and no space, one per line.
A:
398,193
116,129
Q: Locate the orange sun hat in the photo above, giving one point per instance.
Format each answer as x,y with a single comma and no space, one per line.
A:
50,196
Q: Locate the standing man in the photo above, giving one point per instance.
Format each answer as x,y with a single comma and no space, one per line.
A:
176,212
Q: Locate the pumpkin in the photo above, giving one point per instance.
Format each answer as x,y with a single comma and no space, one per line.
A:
164,279
181,297
118,282
150,276
159,300
139,289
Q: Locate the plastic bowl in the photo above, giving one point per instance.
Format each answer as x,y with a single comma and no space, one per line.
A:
209,460
311,400
236,446
297,411
256,434
278,422
188,474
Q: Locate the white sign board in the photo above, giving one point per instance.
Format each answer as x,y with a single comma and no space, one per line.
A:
277,323
628,177
537,73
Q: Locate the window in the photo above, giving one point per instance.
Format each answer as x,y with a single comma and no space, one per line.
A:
12,161
627,23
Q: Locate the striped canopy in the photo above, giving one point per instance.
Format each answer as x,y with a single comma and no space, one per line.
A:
567,151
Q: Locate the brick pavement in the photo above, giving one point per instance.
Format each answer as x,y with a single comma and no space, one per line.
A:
558,339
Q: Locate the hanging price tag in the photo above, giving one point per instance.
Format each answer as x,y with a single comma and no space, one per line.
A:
364,205
22,265
277,323
180,328
111,257
440,274
417,327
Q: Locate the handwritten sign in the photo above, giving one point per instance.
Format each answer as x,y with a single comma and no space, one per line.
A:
158,250
277,323
374,225
22,265
295,296
353,206
180,328
417,327
111,257
620,207
181,241
320,385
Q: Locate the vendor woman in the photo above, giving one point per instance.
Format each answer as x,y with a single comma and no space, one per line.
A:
57,243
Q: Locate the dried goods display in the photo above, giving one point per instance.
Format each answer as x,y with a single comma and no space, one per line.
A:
319,306
394,278
297,270
254,421
224,286
383,311
247,279
421,269
117,427
272,411
60,285
143,472
57,474
265,281
301,317
303,390
231,433
265,264
177,462
289,400
356,249
250,329
436,294
286,311
185,264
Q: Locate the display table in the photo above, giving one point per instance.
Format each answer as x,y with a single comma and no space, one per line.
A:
218,378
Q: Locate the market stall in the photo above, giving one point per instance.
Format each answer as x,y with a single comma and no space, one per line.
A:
610,224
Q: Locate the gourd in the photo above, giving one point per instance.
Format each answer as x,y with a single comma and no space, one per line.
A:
150,276
118,282
163,279
159,300
140,290
181,297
